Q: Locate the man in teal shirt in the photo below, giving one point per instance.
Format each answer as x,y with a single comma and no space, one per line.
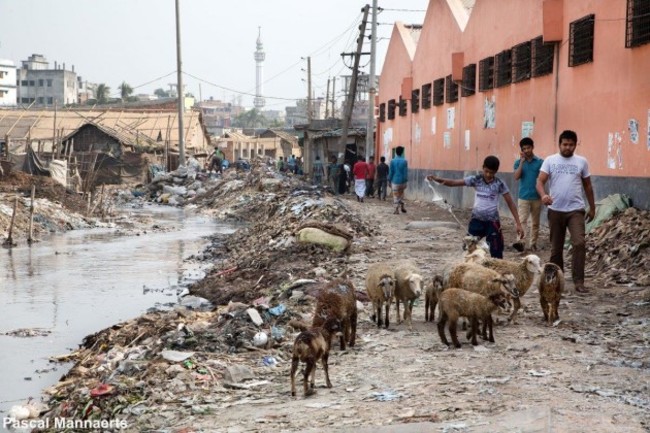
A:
398,178
529,203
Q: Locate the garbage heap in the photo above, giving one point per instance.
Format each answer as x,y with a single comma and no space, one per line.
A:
292,230
176,187
164,368
618,251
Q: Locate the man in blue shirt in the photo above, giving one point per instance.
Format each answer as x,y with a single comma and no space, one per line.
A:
398,178
529,203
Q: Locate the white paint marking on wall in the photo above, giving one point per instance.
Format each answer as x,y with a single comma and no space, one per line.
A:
527,129
433,124
447,140
388,140
619,149
611,162
648,129
451,117
417,134
467,139
633,127
489,113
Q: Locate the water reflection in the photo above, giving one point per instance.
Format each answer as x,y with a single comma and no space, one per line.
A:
78,283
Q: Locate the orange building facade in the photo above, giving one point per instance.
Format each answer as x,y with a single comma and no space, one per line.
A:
483,74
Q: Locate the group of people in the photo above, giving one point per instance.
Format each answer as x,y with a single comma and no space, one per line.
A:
365,178
566,175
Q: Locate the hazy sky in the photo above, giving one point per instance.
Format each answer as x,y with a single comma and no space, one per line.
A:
111,41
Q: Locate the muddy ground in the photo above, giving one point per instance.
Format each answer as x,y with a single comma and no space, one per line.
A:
590,372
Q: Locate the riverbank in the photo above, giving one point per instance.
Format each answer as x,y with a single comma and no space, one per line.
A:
184,371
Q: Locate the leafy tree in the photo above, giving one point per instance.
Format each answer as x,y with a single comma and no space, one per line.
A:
250,119
125,91
102,93
161,93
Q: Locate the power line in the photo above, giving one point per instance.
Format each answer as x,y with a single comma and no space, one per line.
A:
238,91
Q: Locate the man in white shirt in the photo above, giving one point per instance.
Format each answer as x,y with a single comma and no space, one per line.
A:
567,175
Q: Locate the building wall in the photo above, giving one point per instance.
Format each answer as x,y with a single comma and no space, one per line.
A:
7,83
46,87
599,100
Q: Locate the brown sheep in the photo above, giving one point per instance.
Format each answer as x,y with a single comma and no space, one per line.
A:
551,288
309,347
338,300
455,303
526,272
478,279
431,296
380,286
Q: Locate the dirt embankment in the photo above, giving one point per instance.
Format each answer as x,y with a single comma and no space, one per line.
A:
589,372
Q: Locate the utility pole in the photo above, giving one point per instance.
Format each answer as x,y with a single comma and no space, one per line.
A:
309,110
334,98
179,70
353,82
372,91
327,100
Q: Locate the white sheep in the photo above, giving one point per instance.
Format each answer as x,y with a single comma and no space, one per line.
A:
380,286
408,287
455,303
527,274
431,296
551,288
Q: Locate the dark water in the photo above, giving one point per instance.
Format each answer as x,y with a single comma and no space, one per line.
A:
75,284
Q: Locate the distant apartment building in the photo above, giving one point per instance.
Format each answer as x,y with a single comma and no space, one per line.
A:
86,91
7,83
39,85
218,115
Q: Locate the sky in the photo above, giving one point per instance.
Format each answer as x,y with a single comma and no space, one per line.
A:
111,41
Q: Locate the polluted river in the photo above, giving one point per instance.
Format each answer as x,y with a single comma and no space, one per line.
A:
70,285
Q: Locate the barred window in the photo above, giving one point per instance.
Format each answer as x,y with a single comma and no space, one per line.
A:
486,74
638,23
452,90
426,96
543,55
522,61
402,106
469,80
439,91
503,68
391,109
581,41
382,112
415,100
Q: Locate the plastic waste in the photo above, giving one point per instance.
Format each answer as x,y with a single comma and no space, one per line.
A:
260,339
278,310
269,361
277,333
176,356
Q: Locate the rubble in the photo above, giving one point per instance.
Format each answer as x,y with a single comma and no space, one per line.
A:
618,251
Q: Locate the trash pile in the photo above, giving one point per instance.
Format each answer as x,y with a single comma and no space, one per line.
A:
200,357
176,187
293,230
618,251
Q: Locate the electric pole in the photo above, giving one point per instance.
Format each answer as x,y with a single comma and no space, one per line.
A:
353,82
181,138
334,98
309,110
372,91
327,100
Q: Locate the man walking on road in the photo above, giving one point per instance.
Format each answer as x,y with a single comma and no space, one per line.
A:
382,178
360,171
529,203
567,175
398,178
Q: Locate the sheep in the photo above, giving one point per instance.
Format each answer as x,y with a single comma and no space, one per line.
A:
431,296
455,303
338,300
478,279
408,287
477,256
475,248
551,287
309,347
527,274
380,286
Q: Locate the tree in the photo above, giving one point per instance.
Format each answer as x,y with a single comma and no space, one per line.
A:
125,91
102,93
250,119
160,92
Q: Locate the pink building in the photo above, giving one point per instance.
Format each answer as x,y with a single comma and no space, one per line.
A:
483,74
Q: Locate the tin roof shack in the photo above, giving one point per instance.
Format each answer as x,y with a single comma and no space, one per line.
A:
288,144
236,145
326,144
106,155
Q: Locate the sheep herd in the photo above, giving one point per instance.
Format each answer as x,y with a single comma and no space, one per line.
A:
472,289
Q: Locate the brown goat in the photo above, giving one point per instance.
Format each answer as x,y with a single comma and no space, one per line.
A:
550,291
455,303
311,346
337,300
431,296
